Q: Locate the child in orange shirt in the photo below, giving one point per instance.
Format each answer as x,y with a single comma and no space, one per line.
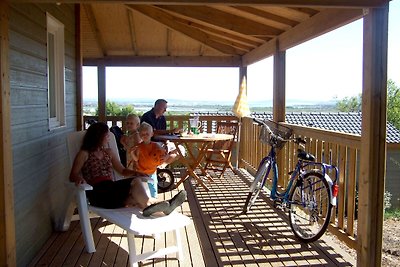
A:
148,155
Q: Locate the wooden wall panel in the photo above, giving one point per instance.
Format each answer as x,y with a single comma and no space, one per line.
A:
40,162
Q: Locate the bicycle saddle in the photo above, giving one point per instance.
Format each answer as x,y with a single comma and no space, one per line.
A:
301,154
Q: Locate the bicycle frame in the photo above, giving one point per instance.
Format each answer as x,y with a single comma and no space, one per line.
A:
310,193
297,173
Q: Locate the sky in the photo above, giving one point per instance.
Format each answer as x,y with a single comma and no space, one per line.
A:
323,69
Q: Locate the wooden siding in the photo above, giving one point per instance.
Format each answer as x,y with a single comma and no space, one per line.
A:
40,163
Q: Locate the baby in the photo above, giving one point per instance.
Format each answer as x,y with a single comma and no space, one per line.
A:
131,138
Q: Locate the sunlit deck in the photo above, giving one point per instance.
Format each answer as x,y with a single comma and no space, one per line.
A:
219,236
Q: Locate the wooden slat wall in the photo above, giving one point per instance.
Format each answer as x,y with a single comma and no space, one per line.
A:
7,224
40,163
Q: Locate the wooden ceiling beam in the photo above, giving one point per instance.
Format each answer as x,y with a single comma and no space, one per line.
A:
309,11
132,31
295,3
267,15
244,39
224,20
169,21
167,61
317,25
93,24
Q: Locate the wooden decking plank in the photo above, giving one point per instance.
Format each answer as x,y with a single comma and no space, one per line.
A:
208,247
122,257
62,257
232,226
45,248
228,194
261,207
84,259
114,237
98,257
76,252
55,247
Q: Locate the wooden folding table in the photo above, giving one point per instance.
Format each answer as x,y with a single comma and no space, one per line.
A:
193,158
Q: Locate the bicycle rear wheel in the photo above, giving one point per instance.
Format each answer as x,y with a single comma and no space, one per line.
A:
257,185
310,207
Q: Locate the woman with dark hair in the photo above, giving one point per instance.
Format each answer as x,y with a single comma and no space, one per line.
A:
94,165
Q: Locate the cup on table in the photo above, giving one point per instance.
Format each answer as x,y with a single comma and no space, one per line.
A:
194,130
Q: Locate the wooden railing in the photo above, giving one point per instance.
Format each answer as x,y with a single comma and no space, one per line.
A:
335,148
330,147
208,122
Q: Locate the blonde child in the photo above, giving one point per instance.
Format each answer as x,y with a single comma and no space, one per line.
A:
148,155
131,138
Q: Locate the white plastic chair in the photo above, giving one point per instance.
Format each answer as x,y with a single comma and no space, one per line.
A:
129,219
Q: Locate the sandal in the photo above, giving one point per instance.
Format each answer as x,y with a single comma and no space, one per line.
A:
175,202
156,207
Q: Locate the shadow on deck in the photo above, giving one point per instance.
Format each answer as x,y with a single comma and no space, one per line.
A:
219,236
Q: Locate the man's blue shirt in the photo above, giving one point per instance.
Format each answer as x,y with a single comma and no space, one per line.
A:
157,123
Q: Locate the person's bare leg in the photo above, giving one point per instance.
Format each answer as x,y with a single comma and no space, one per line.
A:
139,195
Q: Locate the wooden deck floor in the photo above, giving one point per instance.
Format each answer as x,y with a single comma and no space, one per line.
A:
219,236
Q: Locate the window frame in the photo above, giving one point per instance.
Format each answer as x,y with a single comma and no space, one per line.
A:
55,73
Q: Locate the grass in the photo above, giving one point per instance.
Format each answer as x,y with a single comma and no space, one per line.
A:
392,214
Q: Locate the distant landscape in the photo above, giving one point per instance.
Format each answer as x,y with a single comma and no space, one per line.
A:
189,106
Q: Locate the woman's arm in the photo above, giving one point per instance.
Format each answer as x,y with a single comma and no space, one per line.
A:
117,165
75,174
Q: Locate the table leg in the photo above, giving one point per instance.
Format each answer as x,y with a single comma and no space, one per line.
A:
202,153
191,167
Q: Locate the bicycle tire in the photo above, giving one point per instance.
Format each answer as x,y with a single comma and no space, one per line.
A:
310,207
165,179
257,185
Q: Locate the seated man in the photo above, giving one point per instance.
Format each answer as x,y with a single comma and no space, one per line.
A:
155,117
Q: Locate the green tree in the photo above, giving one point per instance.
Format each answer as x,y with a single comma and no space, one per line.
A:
393,104
349,104
353,104
113,109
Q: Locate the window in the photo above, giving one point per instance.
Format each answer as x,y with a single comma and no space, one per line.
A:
55,72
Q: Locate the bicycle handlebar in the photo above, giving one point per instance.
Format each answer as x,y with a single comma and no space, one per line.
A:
297,140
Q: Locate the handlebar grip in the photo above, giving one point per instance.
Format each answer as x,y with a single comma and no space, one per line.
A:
299,140
258,121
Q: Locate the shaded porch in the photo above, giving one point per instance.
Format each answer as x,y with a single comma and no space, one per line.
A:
219,236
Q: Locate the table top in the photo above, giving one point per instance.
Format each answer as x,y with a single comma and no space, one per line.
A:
202,137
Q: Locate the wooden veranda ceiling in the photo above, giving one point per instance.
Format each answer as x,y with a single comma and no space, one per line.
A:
205,33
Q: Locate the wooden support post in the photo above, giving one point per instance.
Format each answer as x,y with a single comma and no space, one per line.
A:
101,78
78,64
242,75
373,138
7,224
279,103
279,86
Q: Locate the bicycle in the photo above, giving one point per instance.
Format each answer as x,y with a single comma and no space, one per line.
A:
310,193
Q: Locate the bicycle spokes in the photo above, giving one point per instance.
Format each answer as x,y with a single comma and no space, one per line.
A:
310,207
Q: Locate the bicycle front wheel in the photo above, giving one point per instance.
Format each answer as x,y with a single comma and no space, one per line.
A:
310,207
257,185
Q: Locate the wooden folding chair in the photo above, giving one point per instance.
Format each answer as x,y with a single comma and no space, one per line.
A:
218,156
129,219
